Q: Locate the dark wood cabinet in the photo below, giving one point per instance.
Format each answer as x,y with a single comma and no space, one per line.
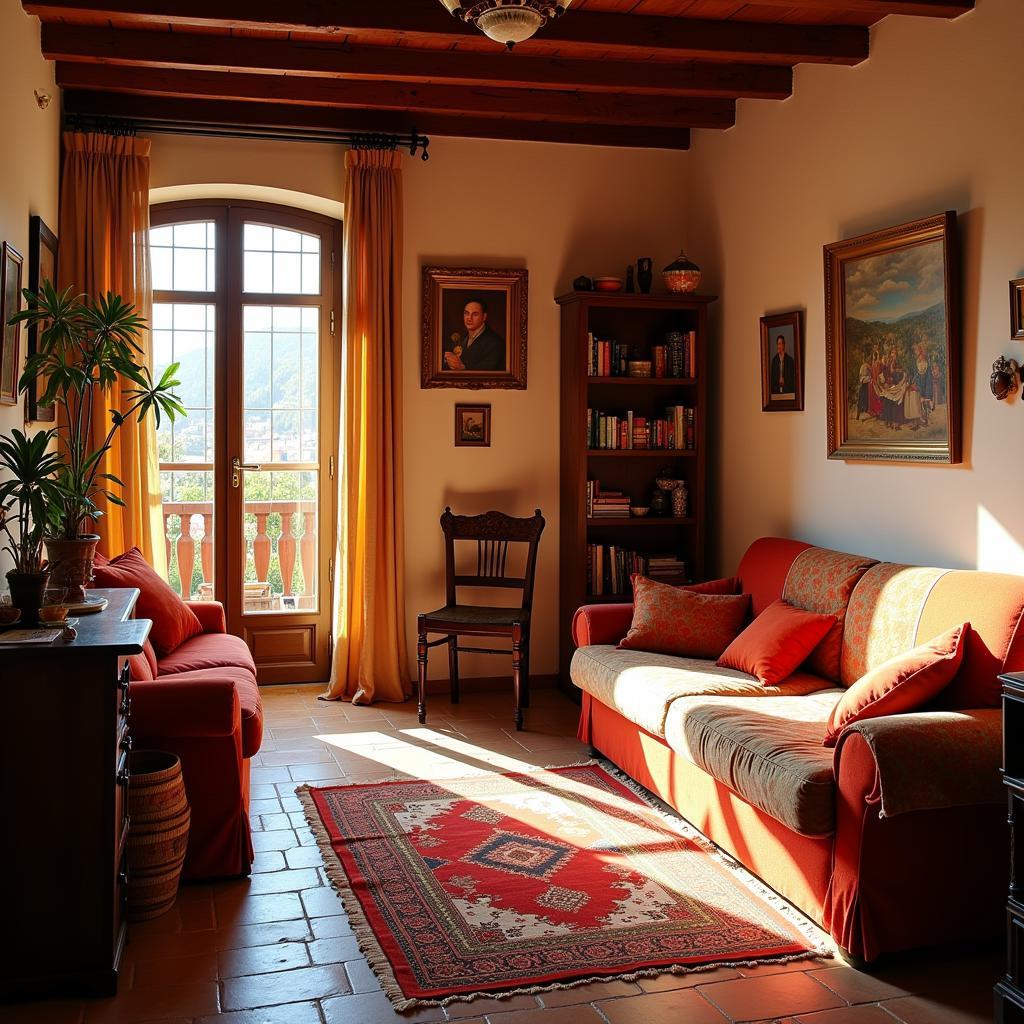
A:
637,323
1009,993
64,766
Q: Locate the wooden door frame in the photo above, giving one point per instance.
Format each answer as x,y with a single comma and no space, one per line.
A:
228,299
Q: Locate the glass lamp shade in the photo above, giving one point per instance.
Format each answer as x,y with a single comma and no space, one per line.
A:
509,25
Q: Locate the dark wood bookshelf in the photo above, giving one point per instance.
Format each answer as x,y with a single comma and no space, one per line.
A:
641,321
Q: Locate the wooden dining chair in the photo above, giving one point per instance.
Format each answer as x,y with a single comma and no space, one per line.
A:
493,532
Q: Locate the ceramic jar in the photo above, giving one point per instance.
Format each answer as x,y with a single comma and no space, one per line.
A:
681,275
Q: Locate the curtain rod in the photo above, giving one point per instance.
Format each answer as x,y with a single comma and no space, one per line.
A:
413,140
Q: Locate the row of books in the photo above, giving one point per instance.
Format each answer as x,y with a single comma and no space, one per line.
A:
675,358
611,431
609,568
605,504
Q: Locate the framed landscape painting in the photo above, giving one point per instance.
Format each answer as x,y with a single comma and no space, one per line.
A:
474,328
892,327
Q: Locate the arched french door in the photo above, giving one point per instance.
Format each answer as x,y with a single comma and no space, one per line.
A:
246,299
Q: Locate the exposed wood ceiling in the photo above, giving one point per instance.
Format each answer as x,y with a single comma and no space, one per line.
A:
609,72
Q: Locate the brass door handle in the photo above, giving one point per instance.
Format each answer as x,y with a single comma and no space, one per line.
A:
237,465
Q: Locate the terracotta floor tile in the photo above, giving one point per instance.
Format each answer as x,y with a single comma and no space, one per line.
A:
281,956
284,881
179,970
684,1005
262,792
268,806
242,936
361,976
245,909
51,1012
670,982
152,1004
847,1015
857,986
334,951
330,927
268,860
787,967
287,1013
285,987
157,946
554,1015
261,775
285,758
922,1010
588,993
484,1007
283,840
774,995
321,902
303,857
375,1008
270,822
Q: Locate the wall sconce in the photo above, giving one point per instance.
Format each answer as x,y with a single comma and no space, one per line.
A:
42,98
1005,377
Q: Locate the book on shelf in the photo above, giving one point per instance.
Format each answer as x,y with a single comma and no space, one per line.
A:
681,352
675,358
674,431
606,358
605,504
610,569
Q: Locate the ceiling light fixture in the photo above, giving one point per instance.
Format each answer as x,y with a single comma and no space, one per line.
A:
507,21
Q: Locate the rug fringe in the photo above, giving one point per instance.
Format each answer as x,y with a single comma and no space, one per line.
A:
822,946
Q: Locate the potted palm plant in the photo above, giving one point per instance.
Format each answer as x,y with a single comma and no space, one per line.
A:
29,496
87,346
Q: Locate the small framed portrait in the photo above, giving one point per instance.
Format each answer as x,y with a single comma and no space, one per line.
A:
10,303
42,266
474,328
892,344
782,362
472,426
1017,309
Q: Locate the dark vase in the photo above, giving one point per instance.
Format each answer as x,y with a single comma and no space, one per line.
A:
27,590
629,279
659,502
645,274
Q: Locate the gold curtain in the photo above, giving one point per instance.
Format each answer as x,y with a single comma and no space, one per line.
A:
369,601
104,246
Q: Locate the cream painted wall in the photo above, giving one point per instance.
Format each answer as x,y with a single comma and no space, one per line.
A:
29,170
929,123
559,211
569,210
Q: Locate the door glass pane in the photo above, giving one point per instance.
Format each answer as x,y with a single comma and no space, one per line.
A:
279,261
280,535
184,333
281,347
182,256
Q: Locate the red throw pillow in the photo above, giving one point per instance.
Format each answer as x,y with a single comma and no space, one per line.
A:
674,620
901,684
777,642
722,587
173,621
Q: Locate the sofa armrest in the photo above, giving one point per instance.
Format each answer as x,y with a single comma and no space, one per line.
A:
601,623
164,707
926,761
210,615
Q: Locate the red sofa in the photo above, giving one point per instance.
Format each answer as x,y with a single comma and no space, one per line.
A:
896,839
201,702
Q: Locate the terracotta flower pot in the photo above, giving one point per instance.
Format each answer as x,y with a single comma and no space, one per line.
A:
27,590
71,564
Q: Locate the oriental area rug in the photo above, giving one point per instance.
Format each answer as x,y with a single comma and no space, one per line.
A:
504,884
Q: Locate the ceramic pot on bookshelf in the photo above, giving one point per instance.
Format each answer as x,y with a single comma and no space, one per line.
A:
645,274
27,589
71,563
682,275
680,500
660,504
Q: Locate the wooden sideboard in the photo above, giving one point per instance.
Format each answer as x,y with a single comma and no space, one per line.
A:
1009,993
64,771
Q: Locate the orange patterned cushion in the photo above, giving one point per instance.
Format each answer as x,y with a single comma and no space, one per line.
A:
730,585
903,683
821,580
670,620
777,642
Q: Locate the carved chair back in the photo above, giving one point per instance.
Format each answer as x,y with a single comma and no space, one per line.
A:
493,532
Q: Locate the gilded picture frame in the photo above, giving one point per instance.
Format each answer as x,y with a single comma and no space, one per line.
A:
782,362
892,330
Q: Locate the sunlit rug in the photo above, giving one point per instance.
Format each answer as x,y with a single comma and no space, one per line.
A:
501,884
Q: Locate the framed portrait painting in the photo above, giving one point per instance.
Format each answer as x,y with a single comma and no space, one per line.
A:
10,303
892,327
782,362
474,328
472,426
1017,309
42,266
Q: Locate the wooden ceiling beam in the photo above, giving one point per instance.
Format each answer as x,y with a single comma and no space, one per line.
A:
879,8
216,115
680,38
279,56
476,101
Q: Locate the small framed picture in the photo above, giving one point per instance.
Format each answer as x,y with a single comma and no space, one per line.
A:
10,303
42,266
782,362
472,426
1017,309
474,328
